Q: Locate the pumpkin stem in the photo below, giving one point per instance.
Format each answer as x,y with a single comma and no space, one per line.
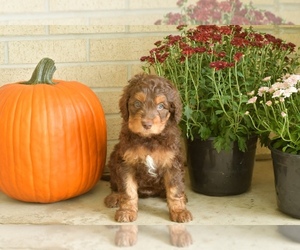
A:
43,72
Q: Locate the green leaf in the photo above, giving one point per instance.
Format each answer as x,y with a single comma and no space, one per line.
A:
218,112
188,112
240,74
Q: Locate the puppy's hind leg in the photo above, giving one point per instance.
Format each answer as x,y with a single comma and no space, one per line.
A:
112,200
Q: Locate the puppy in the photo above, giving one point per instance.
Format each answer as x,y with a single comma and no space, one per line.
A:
148,161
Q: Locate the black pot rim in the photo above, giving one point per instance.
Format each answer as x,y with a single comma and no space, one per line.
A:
211,138
278,151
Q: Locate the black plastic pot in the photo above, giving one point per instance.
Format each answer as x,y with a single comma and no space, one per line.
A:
290,231
287,181
220,174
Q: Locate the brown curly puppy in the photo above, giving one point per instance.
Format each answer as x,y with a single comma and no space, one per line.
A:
147,161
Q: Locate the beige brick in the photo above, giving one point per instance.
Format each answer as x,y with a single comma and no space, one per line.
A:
17,6
86,29
113,126
288,1
153,4
59,50
165,29
106,75
291,35
291,15
257,3
18,30
110,100
81,5
131,48
45,19
2,53
136,69
135,18
266,29
12,75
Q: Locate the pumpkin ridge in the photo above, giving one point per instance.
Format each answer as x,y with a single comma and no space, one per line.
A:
88,102
36,106
52,101
9,150
94,98
47,175
70,94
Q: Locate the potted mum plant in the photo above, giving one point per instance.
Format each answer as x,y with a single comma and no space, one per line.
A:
213,67
277,113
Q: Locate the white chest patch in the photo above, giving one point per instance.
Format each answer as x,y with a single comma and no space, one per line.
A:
151,166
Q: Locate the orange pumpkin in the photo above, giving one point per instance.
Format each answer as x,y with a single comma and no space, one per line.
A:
52,138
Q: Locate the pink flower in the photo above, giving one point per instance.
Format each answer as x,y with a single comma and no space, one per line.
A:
277,93
266,79
269,103
283,114
251,93
262,90
289,91
252,100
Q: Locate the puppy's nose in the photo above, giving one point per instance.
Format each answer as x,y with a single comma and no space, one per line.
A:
147,124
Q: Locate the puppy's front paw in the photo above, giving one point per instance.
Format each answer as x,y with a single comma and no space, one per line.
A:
183,215
112,200
179,236
125,215
126,236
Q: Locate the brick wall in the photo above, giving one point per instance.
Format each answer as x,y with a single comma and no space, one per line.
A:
142,12
97,44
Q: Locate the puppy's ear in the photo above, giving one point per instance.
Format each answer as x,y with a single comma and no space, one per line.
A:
123,104
175,101
127,91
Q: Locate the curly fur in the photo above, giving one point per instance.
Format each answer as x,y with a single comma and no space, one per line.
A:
148,161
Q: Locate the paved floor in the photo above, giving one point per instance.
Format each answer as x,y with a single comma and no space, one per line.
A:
247,221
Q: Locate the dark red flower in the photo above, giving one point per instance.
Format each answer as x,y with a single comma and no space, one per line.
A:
225,30
222,54
237,56
239,42
270,38
158,43
200,49
148,59
218,65
188,51
180,3
173,39
181,26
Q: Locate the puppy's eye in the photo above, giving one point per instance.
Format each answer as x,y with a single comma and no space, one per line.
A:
137,104
160,106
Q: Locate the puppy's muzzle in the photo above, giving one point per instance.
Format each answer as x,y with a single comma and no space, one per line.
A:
147,124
